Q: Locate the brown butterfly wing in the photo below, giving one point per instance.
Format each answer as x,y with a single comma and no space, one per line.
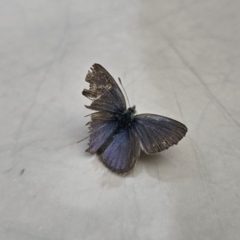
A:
157,133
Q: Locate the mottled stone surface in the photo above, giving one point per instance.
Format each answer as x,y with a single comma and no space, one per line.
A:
176,58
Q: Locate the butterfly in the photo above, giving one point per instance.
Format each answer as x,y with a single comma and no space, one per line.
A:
116,134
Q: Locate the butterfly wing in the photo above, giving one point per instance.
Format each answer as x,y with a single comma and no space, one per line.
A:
101,126
108,100
157,133
104,91
122,153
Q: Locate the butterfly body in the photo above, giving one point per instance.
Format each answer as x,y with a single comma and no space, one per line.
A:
116,134
124,121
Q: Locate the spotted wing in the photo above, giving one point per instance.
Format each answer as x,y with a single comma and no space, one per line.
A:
122,153
157,133
104,91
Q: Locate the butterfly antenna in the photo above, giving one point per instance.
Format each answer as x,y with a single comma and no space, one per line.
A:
124,91
83,139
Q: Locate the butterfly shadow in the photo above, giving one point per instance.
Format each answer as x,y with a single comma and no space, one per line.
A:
161,166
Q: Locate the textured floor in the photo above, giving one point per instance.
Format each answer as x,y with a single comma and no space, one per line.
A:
176,58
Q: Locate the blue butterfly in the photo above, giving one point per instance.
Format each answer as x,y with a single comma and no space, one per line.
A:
116,134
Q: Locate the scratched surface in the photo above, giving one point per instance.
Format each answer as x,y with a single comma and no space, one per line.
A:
176,58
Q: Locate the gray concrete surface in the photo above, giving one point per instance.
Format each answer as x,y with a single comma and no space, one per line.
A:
177,58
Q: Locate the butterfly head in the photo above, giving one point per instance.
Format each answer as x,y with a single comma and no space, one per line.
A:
125,119
132,110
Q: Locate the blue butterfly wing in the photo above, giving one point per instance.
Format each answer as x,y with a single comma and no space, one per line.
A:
157,133
104,91
107,98
101,126
122,153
